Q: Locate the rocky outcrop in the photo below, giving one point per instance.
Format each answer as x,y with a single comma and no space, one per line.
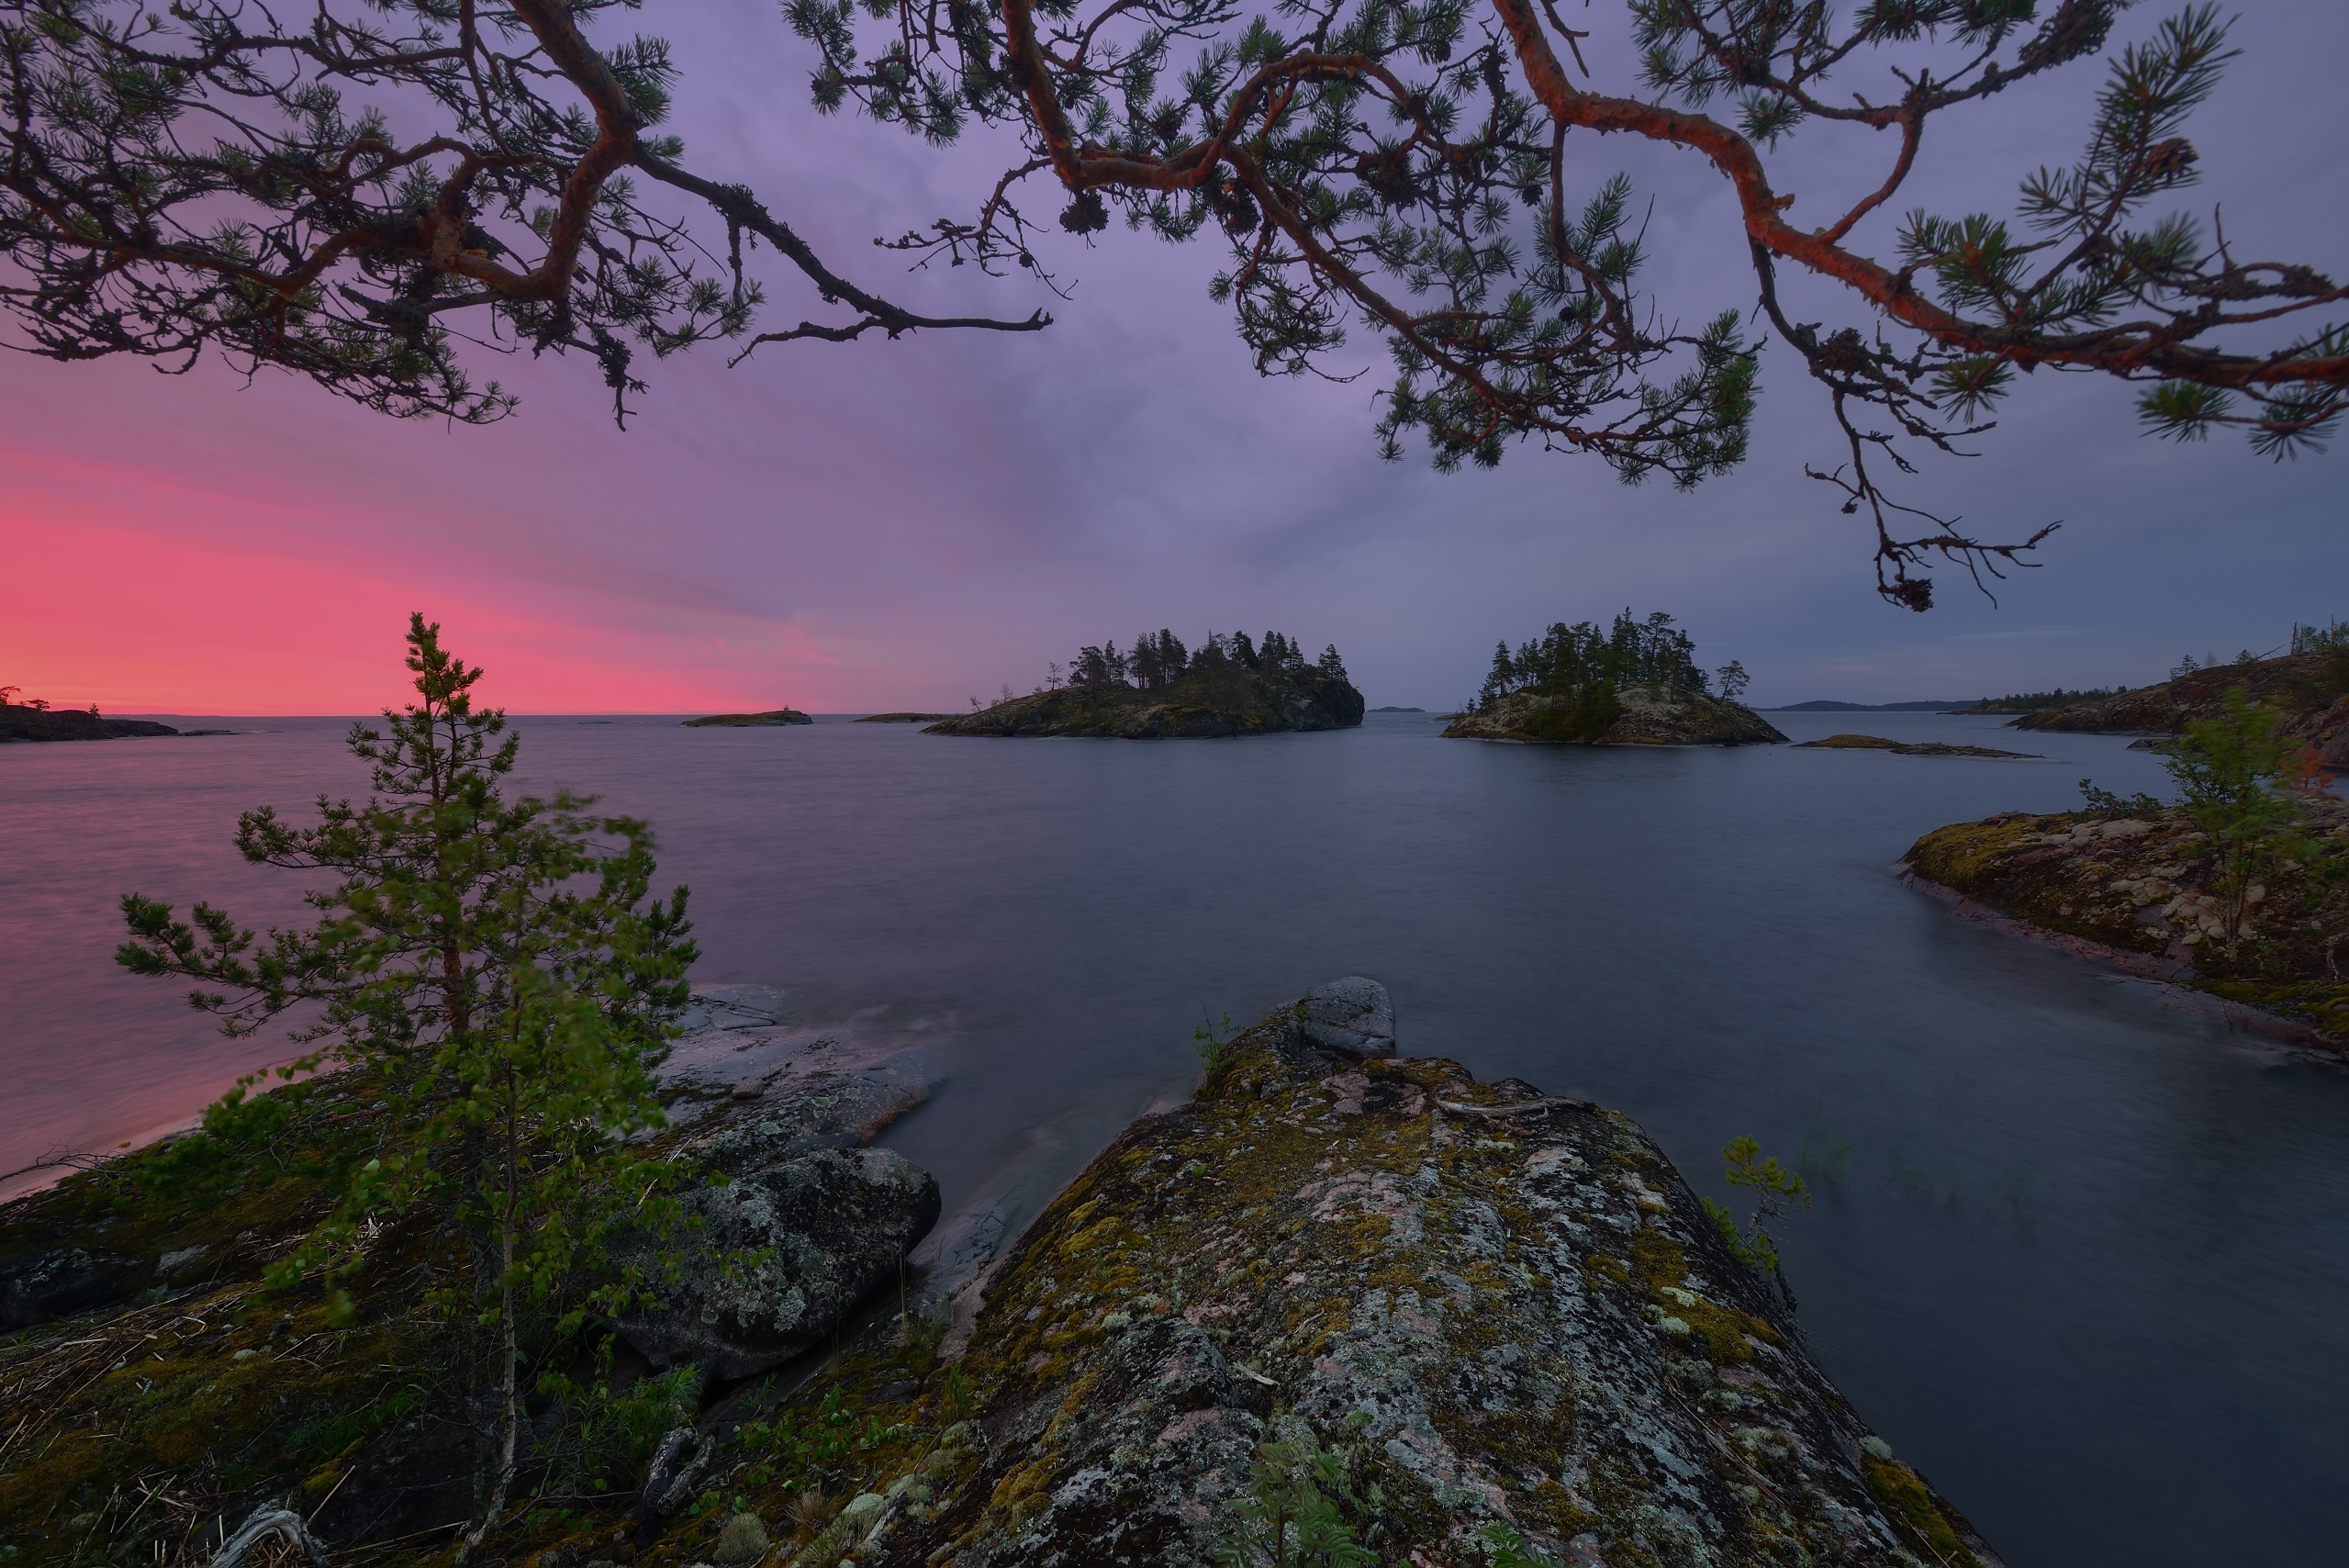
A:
821,1231
1644,713
1908,748
1449,1322
2143,893
2312,690
750,721
1235,701
781,1111
19,722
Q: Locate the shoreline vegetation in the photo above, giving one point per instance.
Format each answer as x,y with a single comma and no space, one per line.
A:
1282,1299
1159,689
1638,683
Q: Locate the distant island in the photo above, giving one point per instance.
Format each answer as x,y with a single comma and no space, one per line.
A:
1635,684
39,722
1393,710
1827,707
1159,689
750,721
902,718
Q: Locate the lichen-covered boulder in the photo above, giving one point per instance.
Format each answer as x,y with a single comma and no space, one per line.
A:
1458,1323
1353,1016
835,1226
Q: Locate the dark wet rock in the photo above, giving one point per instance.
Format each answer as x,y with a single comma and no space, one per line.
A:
1353,1016
36,1288
1490,1309
1233,701
1646,713
835,1225
19,722
1908,748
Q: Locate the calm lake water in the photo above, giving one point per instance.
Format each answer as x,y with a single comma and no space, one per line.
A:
2080,1259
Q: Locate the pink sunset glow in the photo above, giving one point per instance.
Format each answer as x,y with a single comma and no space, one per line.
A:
910,523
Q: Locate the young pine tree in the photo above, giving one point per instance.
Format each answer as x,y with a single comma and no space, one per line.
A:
2242,778
501,973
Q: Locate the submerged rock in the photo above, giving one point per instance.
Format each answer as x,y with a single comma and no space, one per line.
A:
1643,713
1438,1316
834,1225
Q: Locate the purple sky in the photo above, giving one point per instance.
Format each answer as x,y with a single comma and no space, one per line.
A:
904,525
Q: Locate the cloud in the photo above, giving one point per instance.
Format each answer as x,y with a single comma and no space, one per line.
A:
893,524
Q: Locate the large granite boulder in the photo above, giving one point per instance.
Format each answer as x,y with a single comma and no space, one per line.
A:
1353,1016
832,1225
1455,1322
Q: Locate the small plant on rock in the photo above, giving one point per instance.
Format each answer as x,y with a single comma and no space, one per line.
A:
1291,1515
1213,1041
1777,1192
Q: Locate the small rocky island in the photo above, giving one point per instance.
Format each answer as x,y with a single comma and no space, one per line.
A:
750,721
1449,1322
1909,748
32,722
1228,686
1637,683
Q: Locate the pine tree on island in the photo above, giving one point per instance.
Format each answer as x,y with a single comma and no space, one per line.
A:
1227,685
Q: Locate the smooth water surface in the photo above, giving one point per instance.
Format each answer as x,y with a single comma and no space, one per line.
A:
2078,1258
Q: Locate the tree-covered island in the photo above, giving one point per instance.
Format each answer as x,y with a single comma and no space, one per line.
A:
1637,683
1226,686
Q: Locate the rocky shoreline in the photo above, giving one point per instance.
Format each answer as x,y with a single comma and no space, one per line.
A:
2311,689
1470,1320
2136,893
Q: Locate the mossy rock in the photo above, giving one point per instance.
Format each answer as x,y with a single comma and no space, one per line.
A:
1491,1312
